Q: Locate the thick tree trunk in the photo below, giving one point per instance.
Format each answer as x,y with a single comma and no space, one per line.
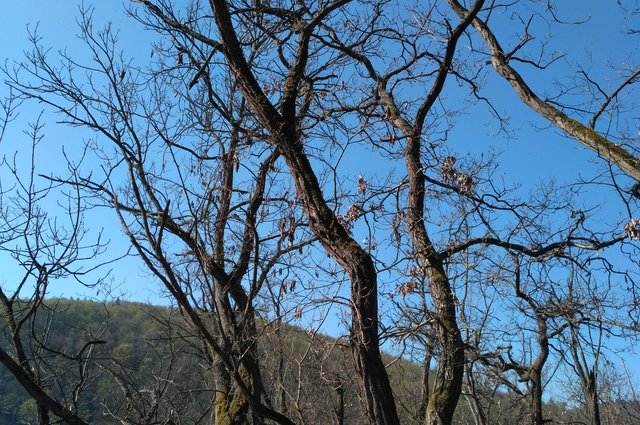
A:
236,333
448,381
373,380
229,404
537,417
365,346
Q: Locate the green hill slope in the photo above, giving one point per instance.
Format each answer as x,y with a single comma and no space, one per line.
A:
148,354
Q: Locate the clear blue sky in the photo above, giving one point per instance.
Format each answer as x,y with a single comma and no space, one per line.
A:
528,156
56,24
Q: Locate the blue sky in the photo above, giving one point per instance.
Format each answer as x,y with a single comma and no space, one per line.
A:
56,24
528,156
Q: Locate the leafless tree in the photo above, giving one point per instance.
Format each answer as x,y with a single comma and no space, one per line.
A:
224,162
42,246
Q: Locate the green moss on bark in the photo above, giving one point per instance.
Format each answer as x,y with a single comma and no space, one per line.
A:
229,412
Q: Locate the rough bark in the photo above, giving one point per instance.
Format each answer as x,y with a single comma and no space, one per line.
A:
535,377
230,405
365,345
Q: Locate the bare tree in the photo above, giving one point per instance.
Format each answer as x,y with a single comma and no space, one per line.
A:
211,232
44,247
224,162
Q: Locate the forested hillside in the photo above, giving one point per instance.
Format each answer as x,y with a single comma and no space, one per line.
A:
148,351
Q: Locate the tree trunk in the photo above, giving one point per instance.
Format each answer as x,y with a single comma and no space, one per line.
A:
229,405
373,380
537,417
593,406
448,381
236,334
